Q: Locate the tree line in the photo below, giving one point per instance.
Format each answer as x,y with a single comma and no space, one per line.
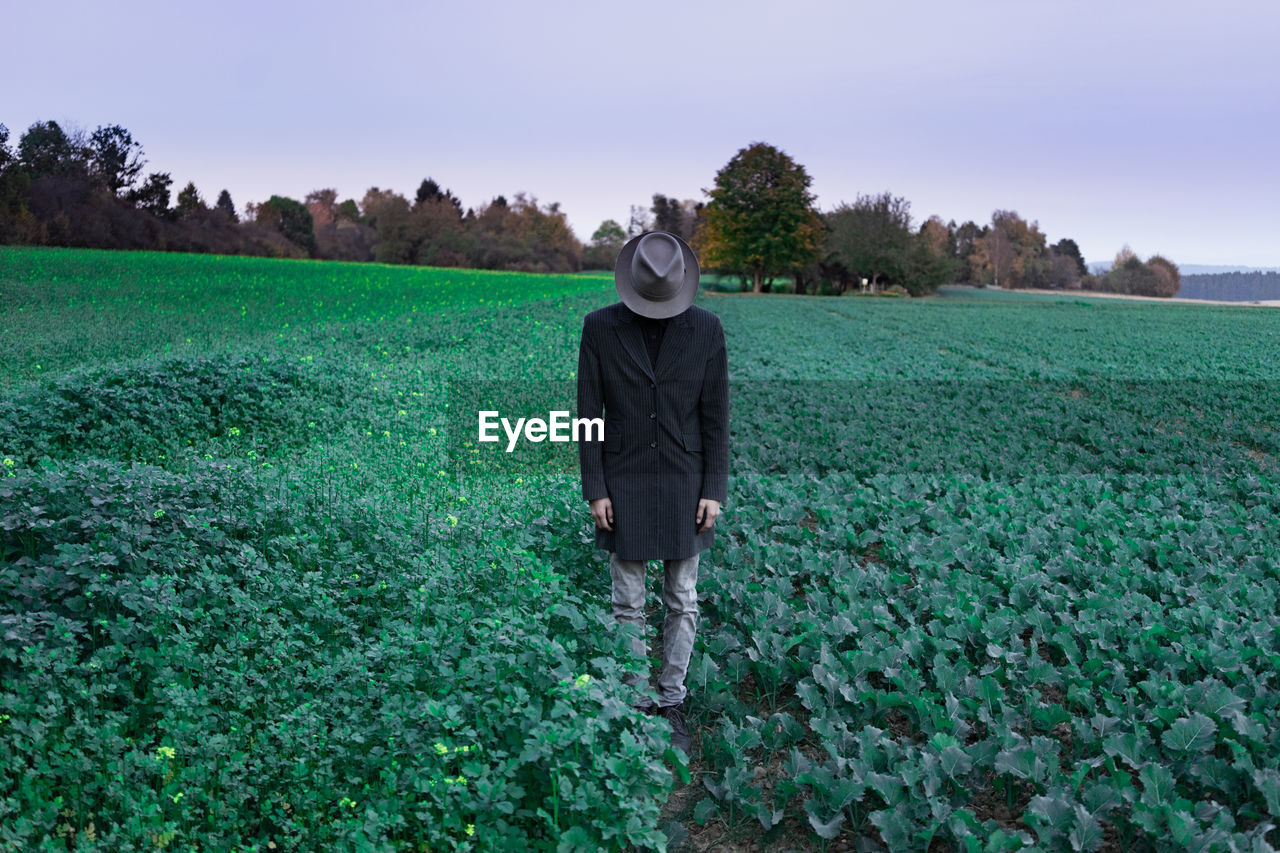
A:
89,190
761,224
758,224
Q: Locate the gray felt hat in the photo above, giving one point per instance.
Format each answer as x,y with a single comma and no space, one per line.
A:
656,275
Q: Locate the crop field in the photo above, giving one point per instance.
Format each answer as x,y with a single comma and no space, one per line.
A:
995,573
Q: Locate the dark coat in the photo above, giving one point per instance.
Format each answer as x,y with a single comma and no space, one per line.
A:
666,429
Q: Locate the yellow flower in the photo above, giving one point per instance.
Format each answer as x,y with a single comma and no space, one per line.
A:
165,752
234,431
582,680
441,748
453,520
471,829
9,463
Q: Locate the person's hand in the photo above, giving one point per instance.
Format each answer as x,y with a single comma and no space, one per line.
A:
708,512
602,512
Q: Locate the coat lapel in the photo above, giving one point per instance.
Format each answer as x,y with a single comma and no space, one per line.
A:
633,342
675,341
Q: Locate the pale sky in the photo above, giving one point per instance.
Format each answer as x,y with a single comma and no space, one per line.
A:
1147,123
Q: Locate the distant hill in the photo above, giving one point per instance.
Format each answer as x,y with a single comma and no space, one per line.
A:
1231,286
1210,269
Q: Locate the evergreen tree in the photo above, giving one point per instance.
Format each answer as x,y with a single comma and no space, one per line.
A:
226,206
1068,248
189,201
428,190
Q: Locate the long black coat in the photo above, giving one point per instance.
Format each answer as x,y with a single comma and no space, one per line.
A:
666,429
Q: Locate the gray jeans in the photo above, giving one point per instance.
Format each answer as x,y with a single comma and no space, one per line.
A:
680,596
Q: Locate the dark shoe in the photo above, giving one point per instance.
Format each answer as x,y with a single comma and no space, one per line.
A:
674,715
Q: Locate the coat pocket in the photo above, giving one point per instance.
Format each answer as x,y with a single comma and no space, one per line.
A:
692,441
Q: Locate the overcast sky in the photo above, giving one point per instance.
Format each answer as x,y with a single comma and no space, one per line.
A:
1148,123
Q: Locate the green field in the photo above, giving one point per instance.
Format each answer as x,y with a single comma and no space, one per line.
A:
996,572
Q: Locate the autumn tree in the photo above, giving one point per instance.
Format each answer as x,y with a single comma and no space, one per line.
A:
340,232
322,204
760,220
939,238
523,235
388,213
1123,256
437,227
1131,276
931,260
547,240
1011,253
1065,274
1167,273
1128,274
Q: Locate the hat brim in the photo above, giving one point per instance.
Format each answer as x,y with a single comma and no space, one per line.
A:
680,300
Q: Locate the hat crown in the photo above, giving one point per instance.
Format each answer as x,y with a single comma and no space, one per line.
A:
657,267
656,274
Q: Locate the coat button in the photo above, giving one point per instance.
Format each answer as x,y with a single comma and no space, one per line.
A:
653,444
651,385
653,414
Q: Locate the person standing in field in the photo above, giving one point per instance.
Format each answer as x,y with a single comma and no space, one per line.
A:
656,366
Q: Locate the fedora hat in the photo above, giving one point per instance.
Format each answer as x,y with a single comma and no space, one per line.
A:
656,275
